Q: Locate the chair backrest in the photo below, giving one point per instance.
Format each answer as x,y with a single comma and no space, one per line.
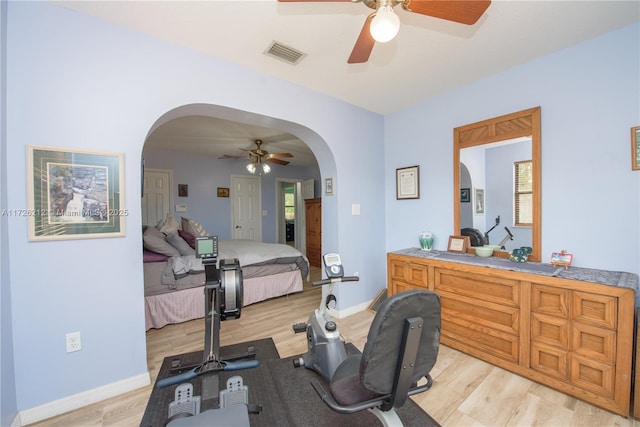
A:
382,349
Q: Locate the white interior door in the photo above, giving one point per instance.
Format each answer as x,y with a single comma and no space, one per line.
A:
308,189
246,208
157,196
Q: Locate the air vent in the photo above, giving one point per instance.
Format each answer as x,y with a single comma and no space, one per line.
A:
284,53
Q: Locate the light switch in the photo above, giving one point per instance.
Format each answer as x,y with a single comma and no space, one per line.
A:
355,209
265,213
181,208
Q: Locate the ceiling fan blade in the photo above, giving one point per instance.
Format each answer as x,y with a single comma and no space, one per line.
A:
462,11
279,155
278,161
229,156
364,44
312,1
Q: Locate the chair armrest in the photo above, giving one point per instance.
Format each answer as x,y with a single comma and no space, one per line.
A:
422,388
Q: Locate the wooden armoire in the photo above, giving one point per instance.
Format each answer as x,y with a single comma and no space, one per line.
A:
313,215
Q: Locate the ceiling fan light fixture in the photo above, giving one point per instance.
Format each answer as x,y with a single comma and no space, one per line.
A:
385,25
258,167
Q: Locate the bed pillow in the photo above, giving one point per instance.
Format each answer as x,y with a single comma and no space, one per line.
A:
194,227
160,223
154,240
148,256
180,244
169,225
188,237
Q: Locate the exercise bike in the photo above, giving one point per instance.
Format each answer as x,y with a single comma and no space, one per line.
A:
326,348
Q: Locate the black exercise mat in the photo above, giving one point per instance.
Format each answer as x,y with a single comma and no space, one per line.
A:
262,390
305,408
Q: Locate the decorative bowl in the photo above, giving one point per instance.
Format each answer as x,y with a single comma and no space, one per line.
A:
519,255
484,251
494,247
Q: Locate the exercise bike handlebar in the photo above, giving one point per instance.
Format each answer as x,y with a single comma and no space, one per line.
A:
335,280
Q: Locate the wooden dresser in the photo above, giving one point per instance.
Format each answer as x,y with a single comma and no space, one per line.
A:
313,218
569,334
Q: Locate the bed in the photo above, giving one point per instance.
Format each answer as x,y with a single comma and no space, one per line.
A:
173,281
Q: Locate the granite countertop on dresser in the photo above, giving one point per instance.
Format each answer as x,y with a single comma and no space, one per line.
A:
610,278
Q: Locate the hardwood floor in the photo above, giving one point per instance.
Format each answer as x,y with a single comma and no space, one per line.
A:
466,391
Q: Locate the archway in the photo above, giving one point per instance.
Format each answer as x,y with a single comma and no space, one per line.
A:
319,148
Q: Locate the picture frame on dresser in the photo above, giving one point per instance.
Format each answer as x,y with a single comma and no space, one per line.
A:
458,244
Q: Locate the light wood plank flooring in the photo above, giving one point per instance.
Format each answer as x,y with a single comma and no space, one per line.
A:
466,391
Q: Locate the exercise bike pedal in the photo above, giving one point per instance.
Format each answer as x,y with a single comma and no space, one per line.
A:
299,327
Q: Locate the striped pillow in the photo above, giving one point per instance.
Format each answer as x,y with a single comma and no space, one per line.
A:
194,227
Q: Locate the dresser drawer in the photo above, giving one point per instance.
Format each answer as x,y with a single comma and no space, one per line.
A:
550,360
467,311
486,288
473,336
409,272
550,330
594,343
550,300
592,375
596,310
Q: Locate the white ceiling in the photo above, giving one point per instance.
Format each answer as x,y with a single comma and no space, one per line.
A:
217,137
428,57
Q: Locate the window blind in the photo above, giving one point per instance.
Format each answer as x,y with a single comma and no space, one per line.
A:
523,195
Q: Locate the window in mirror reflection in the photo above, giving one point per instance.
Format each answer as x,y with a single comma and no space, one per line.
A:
523,194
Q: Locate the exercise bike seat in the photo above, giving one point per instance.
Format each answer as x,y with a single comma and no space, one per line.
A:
234,415
401,349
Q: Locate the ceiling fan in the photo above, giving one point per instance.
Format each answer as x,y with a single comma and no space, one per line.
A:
383,24
258,158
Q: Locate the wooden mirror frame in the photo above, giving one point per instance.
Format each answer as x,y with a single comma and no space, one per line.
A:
521,124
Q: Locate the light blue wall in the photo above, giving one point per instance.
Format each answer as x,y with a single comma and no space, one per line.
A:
8,405
76,82
79,83
204,174
589,95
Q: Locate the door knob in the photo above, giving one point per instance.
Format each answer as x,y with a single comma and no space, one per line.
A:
237,226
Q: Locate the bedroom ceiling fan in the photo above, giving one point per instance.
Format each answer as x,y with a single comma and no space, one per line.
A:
259,157
383,24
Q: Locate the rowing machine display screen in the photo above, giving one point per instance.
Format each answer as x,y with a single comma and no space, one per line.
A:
207,247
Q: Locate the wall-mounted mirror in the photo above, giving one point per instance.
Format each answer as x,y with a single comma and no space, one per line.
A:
496,181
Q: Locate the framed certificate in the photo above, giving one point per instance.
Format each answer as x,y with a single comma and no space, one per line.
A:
458,243
408,183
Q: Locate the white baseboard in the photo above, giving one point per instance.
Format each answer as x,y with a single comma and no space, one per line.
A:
61,406
340,314
16,421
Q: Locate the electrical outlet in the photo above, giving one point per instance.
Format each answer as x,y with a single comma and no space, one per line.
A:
73,342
